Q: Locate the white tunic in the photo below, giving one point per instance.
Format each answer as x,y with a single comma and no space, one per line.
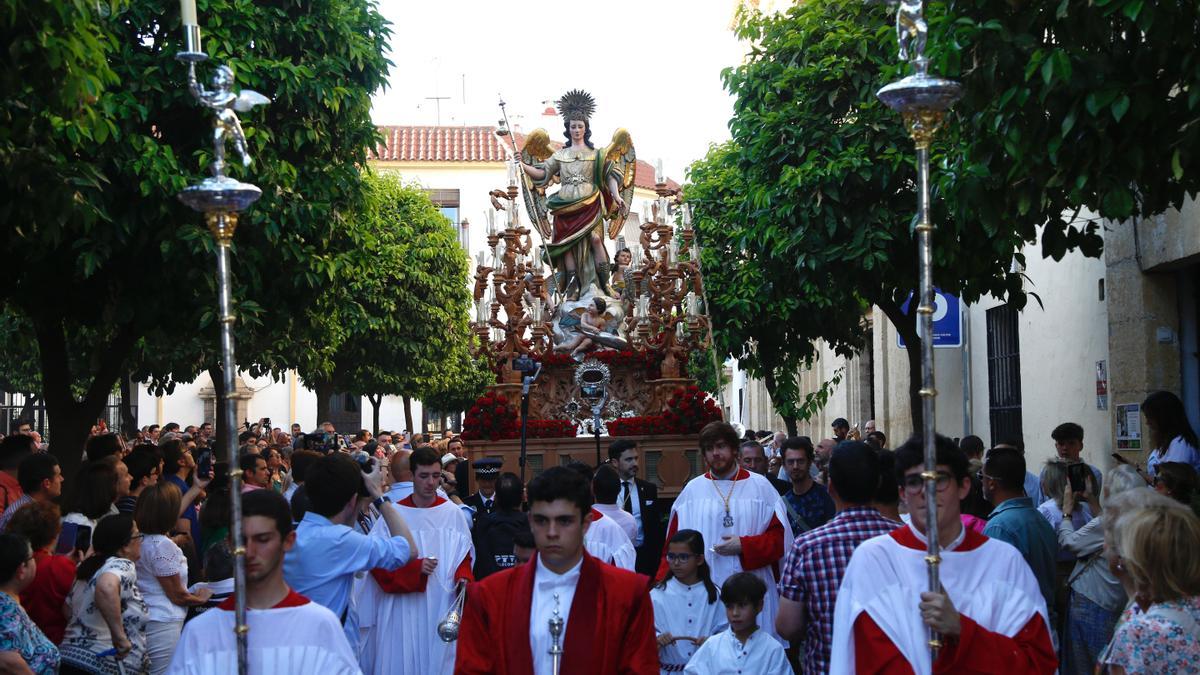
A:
753,503
684,611
303,639
398,631
724,654
992,584
606,540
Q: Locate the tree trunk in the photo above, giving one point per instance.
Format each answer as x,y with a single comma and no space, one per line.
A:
71,420
788,422
217,374
408,418
128,421
376,400
324,390
906,326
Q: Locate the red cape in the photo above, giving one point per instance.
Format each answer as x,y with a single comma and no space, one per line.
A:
610,629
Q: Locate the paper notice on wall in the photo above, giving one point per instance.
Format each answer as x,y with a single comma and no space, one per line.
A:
1101,385
1129,426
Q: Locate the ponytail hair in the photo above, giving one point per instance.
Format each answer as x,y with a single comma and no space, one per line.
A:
111,535
695,542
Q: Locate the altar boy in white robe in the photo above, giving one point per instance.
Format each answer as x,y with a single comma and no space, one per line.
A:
605,538
288,632
743,648
399,610
687,605
740,514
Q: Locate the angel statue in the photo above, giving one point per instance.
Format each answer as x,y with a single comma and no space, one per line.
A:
595,188
224,102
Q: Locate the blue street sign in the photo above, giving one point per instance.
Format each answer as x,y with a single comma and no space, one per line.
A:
947,320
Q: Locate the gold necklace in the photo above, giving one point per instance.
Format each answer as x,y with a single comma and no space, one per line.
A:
728,521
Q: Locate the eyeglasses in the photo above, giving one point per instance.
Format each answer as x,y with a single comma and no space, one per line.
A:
983,476
137,536
678,557
915,483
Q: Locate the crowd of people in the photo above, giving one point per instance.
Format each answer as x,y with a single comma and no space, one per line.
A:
368,553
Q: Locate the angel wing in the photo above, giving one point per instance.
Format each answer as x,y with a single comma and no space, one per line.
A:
247,99
623,157
535,151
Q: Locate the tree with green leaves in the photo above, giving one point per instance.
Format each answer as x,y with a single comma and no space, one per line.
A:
1069,107
405,306
1066,108
768,309
115,276
828,181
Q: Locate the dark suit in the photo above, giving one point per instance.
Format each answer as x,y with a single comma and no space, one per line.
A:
653,529
475,501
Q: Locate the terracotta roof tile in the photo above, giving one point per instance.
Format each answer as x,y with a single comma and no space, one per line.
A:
467,144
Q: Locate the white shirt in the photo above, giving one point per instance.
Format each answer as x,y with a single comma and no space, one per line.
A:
634,501
684,611
1177,451
301,639
724,654
627,522
161,557
545,584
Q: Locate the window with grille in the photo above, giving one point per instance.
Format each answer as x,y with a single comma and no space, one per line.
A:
1004,374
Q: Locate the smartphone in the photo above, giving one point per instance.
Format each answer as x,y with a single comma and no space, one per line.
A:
1076,474
204,465
1120,458
73,537
83,538
66,539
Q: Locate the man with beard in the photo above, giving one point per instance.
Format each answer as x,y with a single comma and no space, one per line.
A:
288,632
740,514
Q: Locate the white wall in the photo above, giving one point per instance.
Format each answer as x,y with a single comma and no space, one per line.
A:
1060,346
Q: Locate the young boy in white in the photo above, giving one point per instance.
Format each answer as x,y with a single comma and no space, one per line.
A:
686,607
288,632
743,648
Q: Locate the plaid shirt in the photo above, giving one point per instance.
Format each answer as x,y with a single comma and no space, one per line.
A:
814,569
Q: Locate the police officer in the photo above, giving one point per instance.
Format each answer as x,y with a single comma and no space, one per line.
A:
494,532
487,470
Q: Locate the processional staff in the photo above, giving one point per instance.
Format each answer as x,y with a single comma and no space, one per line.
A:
922,100
221,198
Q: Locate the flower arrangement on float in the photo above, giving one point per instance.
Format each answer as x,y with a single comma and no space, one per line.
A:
493,419
688,410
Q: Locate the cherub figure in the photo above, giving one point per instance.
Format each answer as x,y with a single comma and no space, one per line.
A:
224,102
592,321
911,29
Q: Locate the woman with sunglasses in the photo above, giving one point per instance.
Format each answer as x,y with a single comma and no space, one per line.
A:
108,615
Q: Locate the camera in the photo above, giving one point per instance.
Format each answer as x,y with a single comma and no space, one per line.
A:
525,364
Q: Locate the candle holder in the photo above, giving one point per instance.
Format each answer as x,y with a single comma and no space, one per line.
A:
220,199
922,101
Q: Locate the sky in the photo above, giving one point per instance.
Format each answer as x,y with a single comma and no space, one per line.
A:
653,66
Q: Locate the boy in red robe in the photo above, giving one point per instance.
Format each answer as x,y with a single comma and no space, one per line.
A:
990,615
608,619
